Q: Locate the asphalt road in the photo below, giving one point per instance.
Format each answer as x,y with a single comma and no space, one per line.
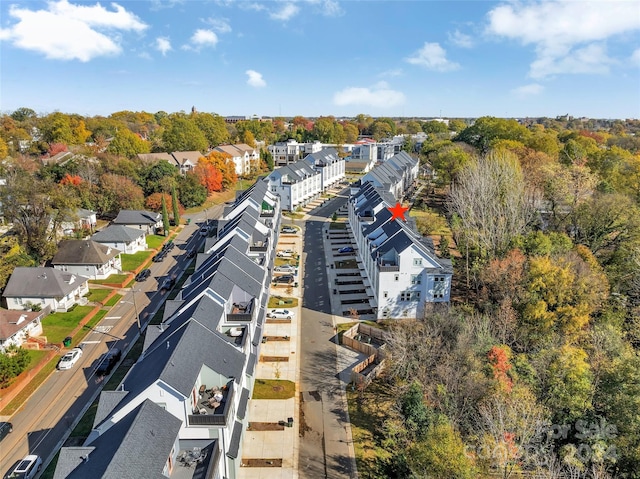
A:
45,421
324,449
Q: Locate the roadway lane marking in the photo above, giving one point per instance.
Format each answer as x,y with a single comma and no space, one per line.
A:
112,317
91,342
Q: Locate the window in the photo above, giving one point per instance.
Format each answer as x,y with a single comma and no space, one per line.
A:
385,313
417,261
437,279
396,277
410,296
416,279
385,294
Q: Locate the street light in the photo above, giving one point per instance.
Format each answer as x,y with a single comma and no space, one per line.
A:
135,307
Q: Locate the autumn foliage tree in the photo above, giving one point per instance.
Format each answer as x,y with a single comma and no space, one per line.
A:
154,202
224,164
209,176
73,180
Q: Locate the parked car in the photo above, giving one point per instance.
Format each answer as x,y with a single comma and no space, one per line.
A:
285,268
204,231
288,229
346,249
168,246
191,252
159,257
281,314
167,283
143,275
286,279
25,469
108,361
5,428
70,359
285,253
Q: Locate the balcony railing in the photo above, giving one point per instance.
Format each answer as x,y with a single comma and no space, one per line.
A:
258,249
267,213
211,418
388,268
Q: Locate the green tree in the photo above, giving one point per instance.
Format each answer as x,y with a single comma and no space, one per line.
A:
4,149
126,143
413,127
213,127
190,191
567,385
23,114
487,129
160,176
441,454
165,217
182,134
435,127
176,206
350,132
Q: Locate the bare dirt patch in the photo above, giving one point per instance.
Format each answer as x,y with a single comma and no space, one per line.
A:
265,426
262,462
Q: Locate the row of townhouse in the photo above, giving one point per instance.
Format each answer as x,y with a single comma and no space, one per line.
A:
299,183
403,273
181,410
367,150
246,158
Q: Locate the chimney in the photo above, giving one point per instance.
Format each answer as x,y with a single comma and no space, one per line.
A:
85,458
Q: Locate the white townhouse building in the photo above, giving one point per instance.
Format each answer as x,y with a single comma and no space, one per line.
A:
329,164
296,184
290,151
245,157
191,387
403,273
396,175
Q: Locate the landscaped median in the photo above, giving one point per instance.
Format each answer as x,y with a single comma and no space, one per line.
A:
273,389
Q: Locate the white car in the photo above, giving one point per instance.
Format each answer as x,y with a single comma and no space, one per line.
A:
68,360
285,268
281,314
25,469
285,253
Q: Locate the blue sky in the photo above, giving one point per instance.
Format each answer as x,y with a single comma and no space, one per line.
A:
323,57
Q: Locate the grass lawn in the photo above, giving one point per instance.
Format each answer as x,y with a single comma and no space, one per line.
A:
337,226
112,279
98,295
292,215
273,389
131,261
57,326
35,356
281,301
154,242
283,261
113,300
368,416
29,389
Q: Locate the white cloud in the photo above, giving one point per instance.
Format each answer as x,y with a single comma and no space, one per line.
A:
433,57
255,79
396,72
220,25
204,38
460,39
635,57
328,8
163,45
562,32
288,11
378,96
528,90
64,31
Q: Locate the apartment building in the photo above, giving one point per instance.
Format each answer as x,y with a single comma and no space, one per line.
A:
401,269
184,402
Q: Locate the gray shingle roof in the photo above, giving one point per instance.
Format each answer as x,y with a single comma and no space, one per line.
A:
234,444
242,405
83,252
136,447
41,283
117,234
137,217
107,403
